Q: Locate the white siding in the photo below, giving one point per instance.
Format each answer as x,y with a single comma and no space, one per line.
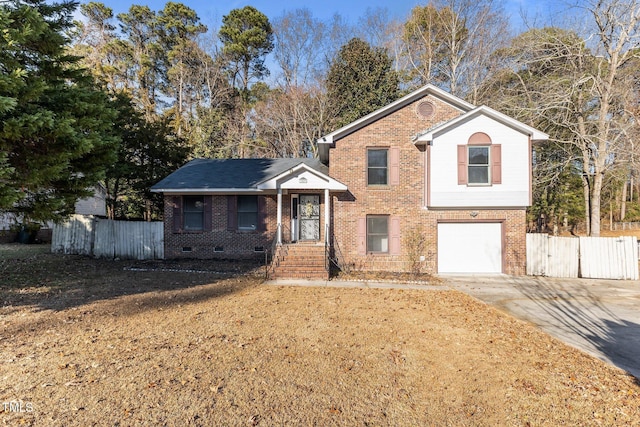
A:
94,205
443,173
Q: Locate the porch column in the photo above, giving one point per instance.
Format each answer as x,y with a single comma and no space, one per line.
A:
327,211
279,216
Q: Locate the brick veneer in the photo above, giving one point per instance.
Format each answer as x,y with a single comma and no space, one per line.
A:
405,201
348,164
236,244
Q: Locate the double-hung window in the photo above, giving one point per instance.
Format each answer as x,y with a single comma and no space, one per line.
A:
478,165
247,212
377,166
378,233
193,213
479,161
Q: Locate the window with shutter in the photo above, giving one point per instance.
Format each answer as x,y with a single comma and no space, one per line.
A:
193,213
480,161
378,233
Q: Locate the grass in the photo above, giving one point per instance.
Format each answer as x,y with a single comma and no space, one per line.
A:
89,342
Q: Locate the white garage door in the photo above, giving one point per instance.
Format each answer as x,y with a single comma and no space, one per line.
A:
470,248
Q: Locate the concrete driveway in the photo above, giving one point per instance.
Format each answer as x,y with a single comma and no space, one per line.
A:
600,317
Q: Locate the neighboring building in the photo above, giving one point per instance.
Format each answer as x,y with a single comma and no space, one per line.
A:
429,165
92,205
95,204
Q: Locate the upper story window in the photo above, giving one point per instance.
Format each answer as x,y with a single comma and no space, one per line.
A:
478,165
377,166
193,213
480,161
247,212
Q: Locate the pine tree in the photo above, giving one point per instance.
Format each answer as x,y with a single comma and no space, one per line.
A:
360,81
55,131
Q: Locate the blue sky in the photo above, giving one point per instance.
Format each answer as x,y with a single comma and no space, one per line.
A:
211,12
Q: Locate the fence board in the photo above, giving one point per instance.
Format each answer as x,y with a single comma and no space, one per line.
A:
609,257
552,256
537,254
74,236
109,239
564,256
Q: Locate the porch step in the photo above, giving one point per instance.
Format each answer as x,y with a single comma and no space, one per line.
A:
300,261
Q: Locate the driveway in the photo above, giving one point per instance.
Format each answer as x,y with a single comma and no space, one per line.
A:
601,317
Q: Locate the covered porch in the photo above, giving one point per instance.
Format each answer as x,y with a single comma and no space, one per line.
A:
303,222
303,198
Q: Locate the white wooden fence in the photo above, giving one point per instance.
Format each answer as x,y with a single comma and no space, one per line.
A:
552,256
609,257
589,257
87,235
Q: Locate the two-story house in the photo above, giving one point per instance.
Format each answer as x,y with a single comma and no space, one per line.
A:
428,168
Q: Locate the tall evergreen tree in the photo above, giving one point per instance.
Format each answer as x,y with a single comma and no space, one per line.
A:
247,37
55,126
148,152
360,81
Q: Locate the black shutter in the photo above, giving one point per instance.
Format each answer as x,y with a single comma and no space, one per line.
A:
232,213
208,214
262,213
176,201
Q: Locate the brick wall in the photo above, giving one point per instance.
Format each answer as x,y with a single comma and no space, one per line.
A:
405,201
201,244
236,244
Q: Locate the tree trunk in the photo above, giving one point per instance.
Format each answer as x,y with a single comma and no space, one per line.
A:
623,201
586,189
596,193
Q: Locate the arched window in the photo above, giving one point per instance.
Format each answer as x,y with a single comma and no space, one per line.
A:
479,162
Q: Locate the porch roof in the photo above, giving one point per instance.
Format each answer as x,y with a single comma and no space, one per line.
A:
239,175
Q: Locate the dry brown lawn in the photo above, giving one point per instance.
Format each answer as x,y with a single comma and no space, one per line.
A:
87,342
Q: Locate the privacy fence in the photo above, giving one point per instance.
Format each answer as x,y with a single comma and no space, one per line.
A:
103,238
589,257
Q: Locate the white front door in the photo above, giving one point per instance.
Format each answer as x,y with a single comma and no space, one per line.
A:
470,248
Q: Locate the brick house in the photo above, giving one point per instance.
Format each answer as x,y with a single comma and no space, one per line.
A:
429,177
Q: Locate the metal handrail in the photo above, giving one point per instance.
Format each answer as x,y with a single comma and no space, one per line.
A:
338,258
269,263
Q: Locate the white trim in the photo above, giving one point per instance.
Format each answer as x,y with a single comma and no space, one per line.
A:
294,223
327,140
204,191
428,136
277,181
279,216
327,211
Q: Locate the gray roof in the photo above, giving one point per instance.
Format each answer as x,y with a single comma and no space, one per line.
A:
227,174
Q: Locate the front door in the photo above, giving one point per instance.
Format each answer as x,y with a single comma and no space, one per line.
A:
309,216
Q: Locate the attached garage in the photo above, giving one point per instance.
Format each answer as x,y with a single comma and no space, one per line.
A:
470,247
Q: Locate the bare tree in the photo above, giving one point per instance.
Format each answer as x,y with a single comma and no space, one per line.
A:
289,122
576,85
449,43
299,43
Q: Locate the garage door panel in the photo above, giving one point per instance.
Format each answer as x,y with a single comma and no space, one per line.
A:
470,248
